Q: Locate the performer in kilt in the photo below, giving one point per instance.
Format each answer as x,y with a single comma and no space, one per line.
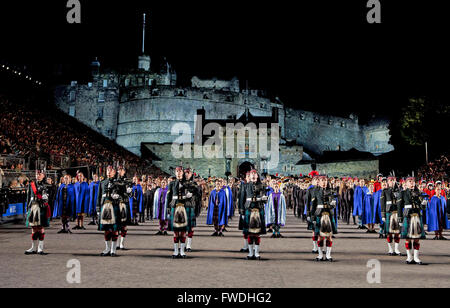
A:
241,208
109,200
390,215
194,203
323,203
255,197
182,216
410,213
309,211
130,200
38,213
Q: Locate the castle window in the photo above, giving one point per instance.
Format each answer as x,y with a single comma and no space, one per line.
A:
150,82
127,82
316,120
302,116
72,111
100,112
101,96
105,83
89,84
330,122
205,96
342,124
72,96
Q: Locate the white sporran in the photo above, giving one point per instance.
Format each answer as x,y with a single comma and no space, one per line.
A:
34,220
180,217
123,212
255,222
415,228
394,226
326,228
108,217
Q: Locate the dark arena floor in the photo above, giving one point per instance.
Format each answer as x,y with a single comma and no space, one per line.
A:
216,262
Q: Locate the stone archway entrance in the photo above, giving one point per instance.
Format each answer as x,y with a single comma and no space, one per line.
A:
243,168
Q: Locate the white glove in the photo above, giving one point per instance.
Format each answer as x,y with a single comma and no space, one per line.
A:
115,196
189,195
333,203
424,202
45,197
129,190
265,198
383,219
308,219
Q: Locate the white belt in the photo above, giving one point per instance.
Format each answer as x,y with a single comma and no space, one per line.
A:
389,202
409,206
176,198
251,199
320,206
104,196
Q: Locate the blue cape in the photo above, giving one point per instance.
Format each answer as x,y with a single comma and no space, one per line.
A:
93,192
223,219
437,210
69,205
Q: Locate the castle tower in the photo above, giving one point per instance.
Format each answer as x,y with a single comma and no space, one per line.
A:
144,61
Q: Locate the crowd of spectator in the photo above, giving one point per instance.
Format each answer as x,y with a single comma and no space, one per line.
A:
31,133
436,170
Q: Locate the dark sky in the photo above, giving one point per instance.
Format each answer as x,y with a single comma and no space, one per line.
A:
318,55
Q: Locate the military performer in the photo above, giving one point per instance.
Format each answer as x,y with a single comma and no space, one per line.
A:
390,215
410,205
217,210
193,203
110,208
255,197
182,215
129,201
309,211
323,203
38,213
241,209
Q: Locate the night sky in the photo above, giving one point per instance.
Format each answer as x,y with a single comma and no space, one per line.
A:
318,55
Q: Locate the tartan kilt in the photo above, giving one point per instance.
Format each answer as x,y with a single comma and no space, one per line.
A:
405,229
246,221
191,220
317,225
43,213
111,227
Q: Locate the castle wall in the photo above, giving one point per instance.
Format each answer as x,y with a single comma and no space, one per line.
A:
361,168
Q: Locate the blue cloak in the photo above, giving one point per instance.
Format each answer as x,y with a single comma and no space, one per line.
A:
93,192
229,193
376,215
81,197
281,209
160,192
436,211
222,208
307,205
60,205
137,191
367,209
358,198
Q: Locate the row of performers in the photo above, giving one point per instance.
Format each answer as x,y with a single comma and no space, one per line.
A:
177,206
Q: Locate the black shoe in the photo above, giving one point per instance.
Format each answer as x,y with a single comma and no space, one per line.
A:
108,254
30,253
257,258
442,238
381,236
243,250
159,233
62,231
273,236
391,254
82,228
221,234
315,252
113,255
215,234
249,258
188,250
410,262
319,259
165,233
330,260
174,256
92,223
280,236
436,238
75,228
224,230
42,253
68,231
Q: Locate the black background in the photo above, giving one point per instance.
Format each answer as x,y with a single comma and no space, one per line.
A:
317,55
